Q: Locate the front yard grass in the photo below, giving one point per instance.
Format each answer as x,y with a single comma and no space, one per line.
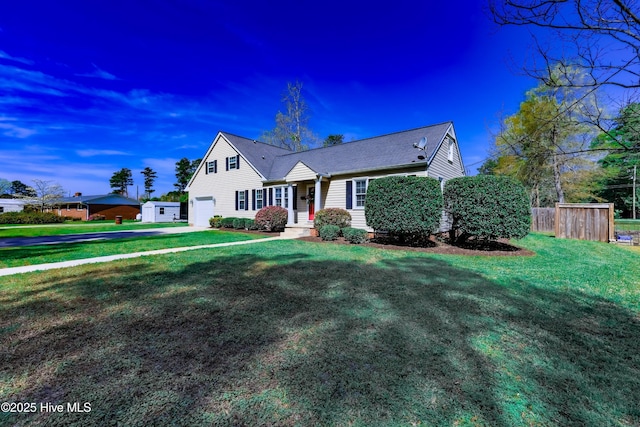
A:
41,254
295,333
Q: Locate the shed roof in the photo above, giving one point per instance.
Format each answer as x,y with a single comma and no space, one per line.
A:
104,199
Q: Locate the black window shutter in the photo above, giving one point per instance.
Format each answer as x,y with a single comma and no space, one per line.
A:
253,200
349,201
238,161
295,198
206,168
227,163
236,200
246,200
215,166
271,197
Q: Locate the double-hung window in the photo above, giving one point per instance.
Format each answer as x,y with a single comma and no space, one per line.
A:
241,201
360,193
212,167
278,191
282,197
259,199
232,162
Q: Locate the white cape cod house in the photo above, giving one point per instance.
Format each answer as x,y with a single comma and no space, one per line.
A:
239,176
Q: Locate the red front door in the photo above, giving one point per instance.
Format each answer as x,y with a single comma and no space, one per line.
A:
310,199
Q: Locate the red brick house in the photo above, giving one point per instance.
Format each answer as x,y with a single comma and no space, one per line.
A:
109,205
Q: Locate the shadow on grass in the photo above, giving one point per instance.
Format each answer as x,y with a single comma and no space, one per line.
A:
249,340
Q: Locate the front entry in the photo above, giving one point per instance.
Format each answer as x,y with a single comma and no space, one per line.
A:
311,192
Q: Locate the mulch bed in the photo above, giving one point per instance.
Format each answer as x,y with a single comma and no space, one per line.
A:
435,245
438,246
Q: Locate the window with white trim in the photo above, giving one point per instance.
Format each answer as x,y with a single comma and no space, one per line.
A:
360,192
282,197
233,162
451,149
259,199
212,166
241,201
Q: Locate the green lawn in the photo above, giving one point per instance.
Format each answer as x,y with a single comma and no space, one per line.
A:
74,228
295,333
627,224
32,255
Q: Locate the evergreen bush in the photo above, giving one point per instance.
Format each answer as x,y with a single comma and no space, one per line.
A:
355,235
329,232
487,207
272,218
216,221
238,223
30,218
332,216
227,222
407,207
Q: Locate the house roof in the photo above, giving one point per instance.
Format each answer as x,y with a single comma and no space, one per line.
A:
104,199
386,151
162,204
381,152
260,155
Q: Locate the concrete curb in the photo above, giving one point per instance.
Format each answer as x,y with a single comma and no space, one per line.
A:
53,265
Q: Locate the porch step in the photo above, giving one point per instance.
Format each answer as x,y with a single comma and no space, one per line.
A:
295,232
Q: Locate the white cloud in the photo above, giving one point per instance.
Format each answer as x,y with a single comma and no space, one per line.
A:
5,55
14,131
93,153
99,74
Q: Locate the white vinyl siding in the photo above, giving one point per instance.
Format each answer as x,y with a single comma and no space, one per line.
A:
300,172
221,187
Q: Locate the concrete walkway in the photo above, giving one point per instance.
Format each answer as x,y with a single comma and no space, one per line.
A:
73,263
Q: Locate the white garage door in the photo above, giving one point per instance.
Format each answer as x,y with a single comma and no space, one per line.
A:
203,207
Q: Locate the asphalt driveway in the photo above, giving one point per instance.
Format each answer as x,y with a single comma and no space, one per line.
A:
86,237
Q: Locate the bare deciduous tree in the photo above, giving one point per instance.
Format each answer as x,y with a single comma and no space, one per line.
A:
599,39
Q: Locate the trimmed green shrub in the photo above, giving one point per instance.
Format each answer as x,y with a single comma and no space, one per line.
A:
355,235
227,222
332,216
272,218
487,207
408,207
238,223
30,218
329,232
216,221
250,224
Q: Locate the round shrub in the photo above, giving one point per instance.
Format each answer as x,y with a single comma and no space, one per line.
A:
487,207
238,223
216,221
250,224
329,232
355,235
408,207
227,222
332,216
272,218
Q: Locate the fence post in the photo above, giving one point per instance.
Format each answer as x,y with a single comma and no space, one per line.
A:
612,227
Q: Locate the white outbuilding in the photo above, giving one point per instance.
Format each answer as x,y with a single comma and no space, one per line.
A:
160,211
11,205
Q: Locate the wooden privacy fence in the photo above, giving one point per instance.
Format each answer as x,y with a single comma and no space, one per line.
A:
584,221
543,219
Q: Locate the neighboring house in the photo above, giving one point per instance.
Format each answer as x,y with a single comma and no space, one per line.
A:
239,176
11,205
154,211
109,205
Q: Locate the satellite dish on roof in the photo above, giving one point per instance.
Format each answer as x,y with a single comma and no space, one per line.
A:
421,144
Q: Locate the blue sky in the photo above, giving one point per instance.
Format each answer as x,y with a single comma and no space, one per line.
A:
88,88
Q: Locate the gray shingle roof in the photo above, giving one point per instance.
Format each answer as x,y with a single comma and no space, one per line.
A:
104,199
386,151
259,154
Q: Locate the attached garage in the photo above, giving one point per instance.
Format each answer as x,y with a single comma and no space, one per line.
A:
203,211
